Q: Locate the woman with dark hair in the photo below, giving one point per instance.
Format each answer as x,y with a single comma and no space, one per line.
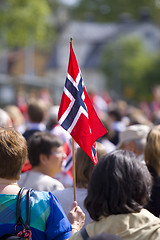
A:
119,188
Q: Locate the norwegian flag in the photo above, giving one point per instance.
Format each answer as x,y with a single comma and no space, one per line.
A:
76,113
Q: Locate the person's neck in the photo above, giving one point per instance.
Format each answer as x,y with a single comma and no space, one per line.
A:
4,181
43,170
8,186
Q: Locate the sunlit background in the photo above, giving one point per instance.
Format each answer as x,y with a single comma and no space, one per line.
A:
117,45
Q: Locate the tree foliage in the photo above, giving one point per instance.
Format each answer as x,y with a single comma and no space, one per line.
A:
130,69
24,22
110,10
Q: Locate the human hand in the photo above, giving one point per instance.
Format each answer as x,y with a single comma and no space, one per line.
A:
76,216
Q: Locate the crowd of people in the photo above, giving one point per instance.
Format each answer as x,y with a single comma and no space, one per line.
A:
119,198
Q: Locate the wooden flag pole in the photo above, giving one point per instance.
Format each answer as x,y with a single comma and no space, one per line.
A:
71,41
73,158
74,169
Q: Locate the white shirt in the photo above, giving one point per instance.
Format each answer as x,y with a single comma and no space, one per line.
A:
39,181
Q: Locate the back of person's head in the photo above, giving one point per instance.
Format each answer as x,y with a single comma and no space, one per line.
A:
13,153
115,114
119,184
52,117
42,143
5,120
137,116
156,117
122,106
104,236
84,165
15,115
101,150
134,133
152,148
36,110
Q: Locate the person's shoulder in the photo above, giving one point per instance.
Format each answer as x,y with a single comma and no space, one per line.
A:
48,183
57,184
40,195
45,200
49,179
28,132
145,214
26,175
23,176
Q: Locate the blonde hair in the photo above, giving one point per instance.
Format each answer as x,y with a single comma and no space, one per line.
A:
84,165
152,148
101,150
15,114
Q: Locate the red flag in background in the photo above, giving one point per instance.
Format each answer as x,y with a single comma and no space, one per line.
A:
76,113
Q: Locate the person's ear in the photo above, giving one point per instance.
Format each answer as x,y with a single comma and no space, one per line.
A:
43,159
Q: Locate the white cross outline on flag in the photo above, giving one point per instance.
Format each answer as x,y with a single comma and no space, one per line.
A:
71,97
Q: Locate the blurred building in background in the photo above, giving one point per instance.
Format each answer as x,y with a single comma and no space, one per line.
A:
24,70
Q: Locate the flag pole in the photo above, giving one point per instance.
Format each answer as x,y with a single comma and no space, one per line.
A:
73,157
74,170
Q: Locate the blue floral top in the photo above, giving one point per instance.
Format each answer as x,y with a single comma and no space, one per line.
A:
47,221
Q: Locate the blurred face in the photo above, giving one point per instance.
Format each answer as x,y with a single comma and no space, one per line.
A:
56,160
131,146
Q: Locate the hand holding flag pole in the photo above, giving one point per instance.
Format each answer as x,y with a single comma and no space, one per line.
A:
77,115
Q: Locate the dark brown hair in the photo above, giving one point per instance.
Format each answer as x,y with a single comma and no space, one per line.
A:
42,143
36,111
119,184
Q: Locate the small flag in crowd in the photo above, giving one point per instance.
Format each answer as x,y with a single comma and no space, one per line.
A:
76,113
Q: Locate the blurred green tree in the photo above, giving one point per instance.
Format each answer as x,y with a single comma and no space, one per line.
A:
152,75
25,22
110,10
130,69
